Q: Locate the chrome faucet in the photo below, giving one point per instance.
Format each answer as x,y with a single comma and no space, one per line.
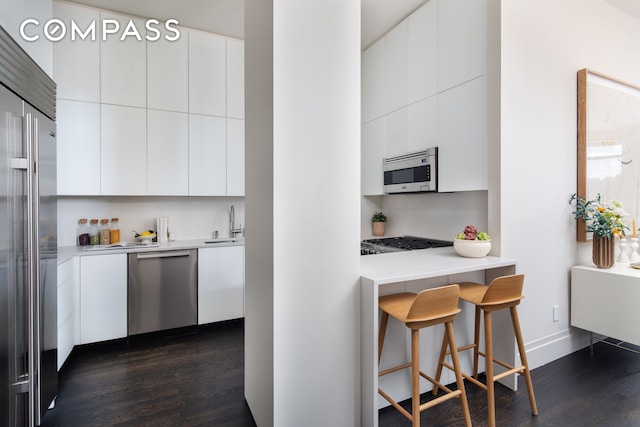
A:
233,231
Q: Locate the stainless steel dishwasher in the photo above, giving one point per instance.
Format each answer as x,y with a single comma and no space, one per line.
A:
163,290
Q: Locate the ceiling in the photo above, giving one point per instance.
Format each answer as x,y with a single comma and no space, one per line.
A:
226,17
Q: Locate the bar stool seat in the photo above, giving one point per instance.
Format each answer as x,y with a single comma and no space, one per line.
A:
502,293
428,308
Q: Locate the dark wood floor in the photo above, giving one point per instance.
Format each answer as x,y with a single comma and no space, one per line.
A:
197,379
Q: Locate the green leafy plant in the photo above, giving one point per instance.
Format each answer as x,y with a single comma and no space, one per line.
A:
471,233
379,217
601,219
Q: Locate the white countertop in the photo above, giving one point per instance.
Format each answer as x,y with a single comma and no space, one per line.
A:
424,263
67,252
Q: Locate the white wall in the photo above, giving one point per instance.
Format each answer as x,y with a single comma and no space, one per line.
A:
189,217
544,44
13,12
311,245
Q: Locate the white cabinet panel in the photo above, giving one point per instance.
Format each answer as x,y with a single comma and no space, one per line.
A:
397,132
123,150
396,66
167,153
462,41
423,124
220,284
462,135
76,64
235,157
235,78
423,52
78,137
66,289
123,65
373,149
207,74
207,156
168,74
373,81
103,297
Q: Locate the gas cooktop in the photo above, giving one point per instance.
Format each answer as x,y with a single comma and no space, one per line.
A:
401,243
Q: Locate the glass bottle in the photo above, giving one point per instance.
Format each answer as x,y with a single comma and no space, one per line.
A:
115,231
94,233
83,232
105,233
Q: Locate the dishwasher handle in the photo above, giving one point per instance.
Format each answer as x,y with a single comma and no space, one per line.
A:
167,254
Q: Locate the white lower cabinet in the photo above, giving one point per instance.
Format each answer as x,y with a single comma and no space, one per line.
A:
103,297
220,284
67,289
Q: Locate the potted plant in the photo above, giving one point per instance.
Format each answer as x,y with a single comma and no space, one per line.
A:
378,220
605,222
472,243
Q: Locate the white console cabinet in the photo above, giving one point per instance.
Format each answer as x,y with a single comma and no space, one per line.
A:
605,301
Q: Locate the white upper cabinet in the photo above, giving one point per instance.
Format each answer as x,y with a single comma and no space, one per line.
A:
373,82
423,52
168,74
462,135
397,132
235,78
462,41
76,63
207,74
373,151
422,123
123,63
235,157
78,136
167,153
123,150
396,65
207,155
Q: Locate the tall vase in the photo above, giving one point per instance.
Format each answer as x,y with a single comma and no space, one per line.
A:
603,252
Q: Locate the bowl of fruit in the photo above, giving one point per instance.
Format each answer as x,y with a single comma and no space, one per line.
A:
471,243
145,237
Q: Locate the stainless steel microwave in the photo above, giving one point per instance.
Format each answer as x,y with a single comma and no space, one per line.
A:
415,172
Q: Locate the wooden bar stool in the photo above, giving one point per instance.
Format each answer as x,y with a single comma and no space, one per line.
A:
503,292
428,308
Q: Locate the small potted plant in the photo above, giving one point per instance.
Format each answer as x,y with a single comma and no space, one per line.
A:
472,243
378,220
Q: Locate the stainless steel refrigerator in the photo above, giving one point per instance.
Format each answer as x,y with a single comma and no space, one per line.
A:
28,244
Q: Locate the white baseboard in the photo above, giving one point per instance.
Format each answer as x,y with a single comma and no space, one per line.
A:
553,347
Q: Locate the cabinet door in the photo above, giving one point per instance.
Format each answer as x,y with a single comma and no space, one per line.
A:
373,148
207,156
103,297
423,124
66,289
423,52
373,82
123,63
76,63
220,284
78,148
123,150
235,157
168,74
235,78
207,74
397,132
462,135
167,153
462,41
396,66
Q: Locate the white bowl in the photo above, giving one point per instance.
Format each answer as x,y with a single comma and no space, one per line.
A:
472,248
146,239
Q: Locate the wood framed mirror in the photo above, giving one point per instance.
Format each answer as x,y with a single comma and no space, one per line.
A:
608,143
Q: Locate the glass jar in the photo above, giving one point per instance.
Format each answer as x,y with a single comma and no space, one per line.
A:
115,231
83,232
105,233
94,233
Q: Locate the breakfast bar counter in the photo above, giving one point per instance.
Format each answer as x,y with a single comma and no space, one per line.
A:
413,271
